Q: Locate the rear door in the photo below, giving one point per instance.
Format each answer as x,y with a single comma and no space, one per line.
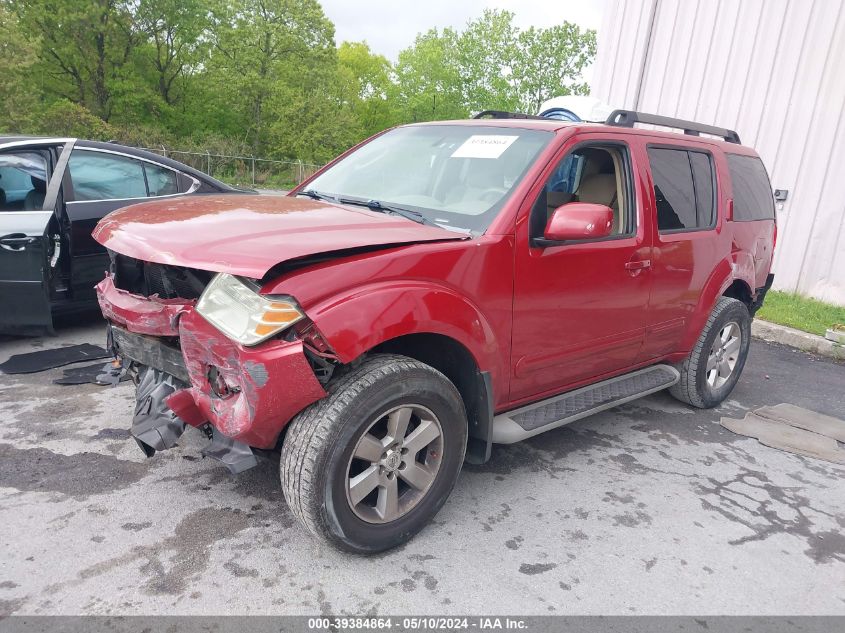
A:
683,202
102,181
30,182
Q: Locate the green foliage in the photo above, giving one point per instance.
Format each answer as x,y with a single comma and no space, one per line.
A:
260,77
65,118
18,57
491,65
803,313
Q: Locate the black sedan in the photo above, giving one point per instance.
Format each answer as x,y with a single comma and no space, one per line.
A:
53,191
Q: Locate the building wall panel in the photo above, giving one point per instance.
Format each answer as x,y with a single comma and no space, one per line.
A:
774,70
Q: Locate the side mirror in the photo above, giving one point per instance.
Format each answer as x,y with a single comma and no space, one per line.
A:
579,221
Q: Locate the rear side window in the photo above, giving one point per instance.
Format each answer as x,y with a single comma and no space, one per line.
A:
752,192
684,189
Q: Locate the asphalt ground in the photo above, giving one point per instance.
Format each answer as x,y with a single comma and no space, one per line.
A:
649,508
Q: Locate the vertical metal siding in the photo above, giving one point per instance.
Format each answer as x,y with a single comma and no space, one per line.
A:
774,70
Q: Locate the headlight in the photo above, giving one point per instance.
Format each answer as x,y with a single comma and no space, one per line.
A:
244,315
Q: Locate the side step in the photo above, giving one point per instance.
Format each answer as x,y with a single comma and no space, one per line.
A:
531,420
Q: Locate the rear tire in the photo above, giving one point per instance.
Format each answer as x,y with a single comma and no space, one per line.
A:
711,371
348,460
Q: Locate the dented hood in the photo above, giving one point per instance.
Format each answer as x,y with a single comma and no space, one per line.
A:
248,235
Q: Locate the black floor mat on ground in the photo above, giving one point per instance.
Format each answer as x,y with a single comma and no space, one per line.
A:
50,358
96,374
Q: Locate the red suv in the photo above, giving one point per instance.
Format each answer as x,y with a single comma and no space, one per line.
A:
439,288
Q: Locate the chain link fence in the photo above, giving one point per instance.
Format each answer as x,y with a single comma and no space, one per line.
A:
262,173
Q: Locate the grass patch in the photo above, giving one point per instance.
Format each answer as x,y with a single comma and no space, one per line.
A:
801,313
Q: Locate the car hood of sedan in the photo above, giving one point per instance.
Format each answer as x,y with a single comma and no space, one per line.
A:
249,235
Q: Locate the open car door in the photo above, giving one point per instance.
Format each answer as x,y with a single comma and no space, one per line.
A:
31,174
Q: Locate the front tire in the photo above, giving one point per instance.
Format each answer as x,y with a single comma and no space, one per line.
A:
369,465
711,371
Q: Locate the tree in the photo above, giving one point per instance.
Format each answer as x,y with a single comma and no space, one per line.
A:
259,45
174,32
86,45
428,78
18,56
550,62
487,52
491,65
364,81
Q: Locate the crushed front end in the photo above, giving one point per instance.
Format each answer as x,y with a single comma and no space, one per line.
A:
189,372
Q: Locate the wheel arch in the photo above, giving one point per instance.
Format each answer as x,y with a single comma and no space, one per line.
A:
429,322
730,278
456,362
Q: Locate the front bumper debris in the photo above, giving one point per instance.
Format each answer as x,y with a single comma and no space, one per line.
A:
242,396
154,426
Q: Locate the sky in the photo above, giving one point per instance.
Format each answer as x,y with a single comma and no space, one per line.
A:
388,26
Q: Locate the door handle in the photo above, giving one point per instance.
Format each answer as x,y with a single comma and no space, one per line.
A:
16,241
640,264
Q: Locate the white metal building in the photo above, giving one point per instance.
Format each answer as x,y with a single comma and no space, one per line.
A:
773,70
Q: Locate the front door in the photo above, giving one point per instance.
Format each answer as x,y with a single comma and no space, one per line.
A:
580,307
28,240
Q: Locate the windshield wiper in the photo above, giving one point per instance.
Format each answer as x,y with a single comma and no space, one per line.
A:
376,205
316,195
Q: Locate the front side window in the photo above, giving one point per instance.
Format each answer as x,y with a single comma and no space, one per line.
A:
101,176
751,189
458,176
23,181
684,189
595,174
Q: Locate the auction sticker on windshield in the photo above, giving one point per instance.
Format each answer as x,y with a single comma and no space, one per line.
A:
484,146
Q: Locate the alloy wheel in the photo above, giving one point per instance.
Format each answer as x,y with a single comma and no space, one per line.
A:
724,354
394,463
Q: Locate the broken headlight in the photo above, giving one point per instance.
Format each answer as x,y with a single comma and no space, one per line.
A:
242,314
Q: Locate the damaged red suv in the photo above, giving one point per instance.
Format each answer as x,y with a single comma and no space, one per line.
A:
435,290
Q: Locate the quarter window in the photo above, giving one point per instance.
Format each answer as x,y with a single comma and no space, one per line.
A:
161,181
684,189
98,176
751,189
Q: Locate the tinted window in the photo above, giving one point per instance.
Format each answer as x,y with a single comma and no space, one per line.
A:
752,192
684,189
23,181
161,181
702,175
673,189
99,176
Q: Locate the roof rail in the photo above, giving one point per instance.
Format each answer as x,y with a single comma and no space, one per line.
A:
502,114
627,118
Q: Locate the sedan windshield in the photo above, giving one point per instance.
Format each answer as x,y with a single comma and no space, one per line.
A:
456,176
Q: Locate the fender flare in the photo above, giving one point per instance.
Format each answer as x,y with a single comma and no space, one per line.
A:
739,266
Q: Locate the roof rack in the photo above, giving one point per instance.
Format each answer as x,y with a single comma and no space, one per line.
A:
502,114
627,118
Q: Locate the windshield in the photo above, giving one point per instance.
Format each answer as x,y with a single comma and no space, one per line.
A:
457,176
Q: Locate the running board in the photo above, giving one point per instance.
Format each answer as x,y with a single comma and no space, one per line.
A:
531,420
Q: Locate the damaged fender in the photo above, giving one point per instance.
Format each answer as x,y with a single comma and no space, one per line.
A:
248,394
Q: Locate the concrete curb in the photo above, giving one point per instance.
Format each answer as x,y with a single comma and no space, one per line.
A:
796,338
